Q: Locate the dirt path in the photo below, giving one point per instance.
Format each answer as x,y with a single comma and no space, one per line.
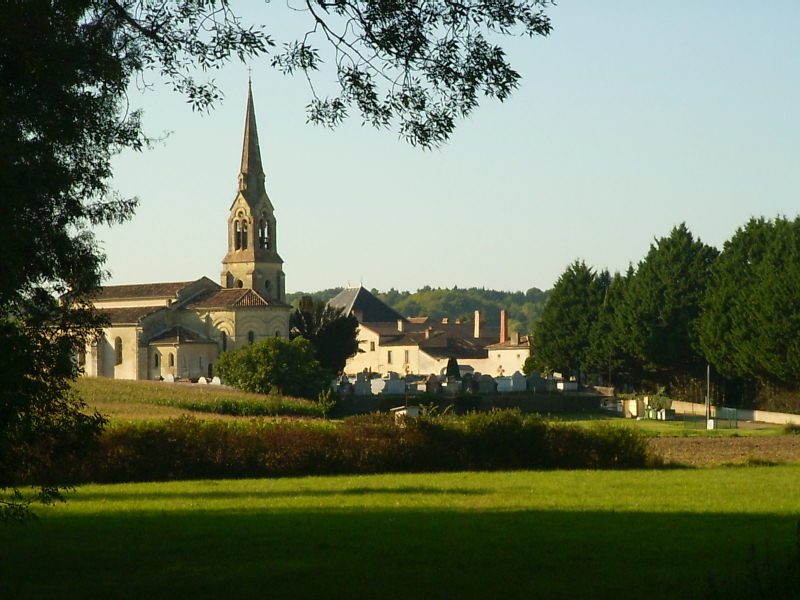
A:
698,451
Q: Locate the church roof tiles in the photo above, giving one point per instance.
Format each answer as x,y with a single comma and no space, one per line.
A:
232,298
180,335
142,290
128,315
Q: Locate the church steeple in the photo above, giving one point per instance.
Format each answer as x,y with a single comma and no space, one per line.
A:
251,174
252,260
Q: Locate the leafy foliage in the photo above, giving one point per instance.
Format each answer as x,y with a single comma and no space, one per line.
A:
276,365
561,337
420,64
188,448
658,312
331,331
607,342
751,312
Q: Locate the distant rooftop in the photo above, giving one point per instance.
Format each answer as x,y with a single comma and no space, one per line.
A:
366,307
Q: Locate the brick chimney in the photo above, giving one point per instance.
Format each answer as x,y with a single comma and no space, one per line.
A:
477,331
503,326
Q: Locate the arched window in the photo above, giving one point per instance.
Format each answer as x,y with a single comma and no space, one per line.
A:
81,358
251,337
224,341
239,283
263,233
244,235
156,359
277,333
237,235
118,351
171,359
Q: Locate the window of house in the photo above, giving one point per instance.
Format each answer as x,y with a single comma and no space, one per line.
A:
251,337
156,359
171,359
277,333
244,235
389,356
200,362
81,358
118,351
405,355
224,341
372,346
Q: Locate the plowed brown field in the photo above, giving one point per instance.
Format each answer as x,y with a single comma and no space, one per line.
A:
698,451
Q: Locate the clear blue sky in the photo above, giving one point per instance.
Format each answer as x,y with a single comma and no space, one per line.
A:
631,118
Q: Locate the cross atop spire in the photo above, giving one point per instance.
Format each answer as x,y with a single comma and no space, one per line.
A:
251,175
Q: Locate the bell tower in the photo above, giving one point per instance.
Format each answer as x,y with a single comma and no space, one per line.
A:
252,260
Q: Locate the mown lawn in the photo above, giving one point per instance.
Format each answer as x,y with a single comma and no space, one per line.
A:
123,401
680,428
711,533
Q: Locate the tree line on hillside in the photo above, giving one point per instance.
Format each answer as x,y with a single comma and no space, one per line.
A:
686,305
524,308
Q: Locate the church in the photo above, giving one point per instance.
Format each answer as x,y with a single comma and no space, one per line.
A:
177,330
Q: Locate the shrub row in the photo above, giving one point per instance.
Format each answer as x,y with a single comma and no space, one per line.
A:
188,448
273,405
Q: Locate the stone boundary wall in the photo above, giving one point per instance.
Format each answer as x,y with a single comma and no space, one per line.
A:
743,414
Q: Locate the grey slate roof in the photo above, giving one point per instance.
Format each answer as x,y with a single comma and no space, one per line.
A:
366,307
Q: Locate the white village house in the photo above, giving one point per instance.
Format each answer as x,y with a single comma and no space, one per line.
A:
388,342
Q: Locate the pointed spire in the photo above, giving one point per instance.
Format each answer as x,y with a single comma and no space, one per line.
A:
251,176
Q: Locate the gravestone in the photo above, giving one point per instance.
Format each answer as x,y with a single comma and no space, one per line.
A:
487,385
216,381
536,383
504,384
202,380
518,382
432,385
362,386
394,385
344,387
169,377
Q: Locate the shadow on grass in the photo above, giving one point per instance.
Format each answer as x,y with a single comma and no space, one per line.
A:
210,494
402,554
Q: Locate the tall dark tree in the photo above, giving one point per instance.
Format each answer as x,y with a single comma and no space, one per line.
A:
606,355
658,313
750,325
333,334
561,336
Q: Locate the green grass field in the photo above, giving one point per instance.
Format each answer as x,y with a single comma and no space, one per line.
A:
123,401
724,532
